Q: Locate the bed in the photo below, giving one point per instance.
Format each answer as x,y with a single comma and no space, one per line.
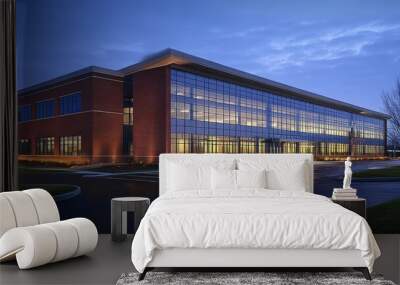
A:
246,211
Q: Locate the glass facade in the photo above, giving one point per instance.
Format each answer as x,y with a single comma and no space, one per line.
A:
214,116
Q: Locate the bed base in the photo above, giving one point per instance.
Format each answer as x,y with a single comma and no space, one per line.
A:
363,270
244,259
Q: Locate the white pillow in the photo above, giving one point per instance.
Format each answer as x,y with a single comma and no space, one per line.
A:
189,173
290,177
223,179
251,178
281,174
183,177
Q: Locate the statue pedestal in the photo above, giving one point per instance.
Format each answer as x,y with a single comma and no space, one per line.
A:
344,194
350,190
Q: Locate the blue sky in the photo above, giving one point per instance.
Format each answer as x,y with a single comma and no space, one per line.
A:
347,50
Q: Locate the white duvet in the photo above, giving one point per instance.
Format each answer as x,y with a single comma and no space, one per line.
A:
250,219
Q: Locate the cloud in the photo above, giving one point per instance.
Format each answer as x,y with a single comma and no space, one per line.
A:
239,34
307,23
324,46
124,47
297,44
258,30
298,57
338,51
119,47
373,27
278,61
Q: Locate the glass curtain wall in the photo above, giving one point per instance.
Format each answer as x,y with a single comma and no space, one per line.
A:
215,116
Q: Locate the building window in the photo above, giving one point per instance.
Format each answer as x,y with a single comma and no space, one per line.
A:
127,128
180,110
128,116
45,109
71,145
213,115
70,103
24,113
45,146
24,146
127,138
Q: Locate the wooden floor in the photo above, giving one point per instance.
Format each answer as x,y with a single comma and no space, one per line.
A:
110,260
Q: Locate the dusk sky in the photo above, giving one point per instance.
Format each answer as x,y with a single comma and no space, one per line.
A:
347,50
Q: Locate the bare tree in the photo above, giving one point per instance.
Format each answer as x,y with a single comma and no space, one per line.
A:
391,103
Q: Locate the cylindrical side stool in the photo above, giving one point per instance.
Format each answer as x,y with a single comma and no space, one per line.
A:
119,208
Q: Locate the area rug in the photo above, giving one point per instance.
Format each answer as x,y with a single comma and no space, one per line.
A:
244,278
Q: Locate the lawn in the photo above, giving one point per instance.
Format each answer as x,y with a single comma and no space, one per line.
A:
385,218
393,171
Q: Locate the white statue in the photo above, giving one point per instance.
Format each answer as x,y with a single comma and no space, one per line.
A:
347,174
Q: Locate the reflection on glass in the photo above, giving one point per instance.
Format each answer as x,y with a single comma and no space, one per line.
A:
209,115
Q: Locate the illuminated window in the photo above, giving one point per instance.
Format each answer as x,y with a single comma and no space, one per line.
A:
45,146
180,110
289,147
128,116
71,145
247,145
211,115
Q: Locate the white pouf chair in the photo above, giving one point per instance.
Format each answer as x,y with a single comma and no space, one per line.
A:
31,230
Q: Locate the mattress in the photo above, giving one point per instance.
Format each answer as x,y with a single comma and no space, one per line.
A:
251,219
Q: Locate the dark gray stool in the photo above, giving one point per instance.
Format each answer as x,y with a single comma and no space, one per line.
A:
119,208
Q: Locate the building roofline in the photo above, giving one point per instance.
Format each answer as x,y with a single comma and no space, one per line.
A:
184,58
171,56
74,74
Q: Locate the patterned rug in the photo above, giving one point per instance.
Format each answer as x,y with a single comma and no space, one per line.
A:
243,278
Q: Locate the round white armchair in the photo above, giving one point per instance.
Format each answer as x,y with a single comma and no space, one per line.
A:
31,230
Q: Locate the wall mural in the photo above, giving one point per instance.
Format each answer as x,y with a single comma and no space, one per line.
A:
95,133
